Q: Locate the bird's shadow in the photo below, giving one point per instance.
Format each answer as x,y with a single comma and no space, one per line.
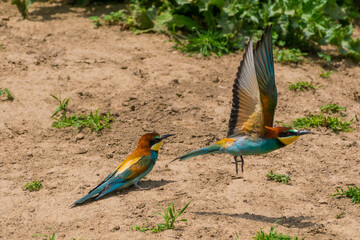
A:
146,184
297,222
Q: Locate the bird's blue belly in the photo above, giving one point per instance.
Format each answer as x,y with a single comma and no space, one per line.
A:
252,146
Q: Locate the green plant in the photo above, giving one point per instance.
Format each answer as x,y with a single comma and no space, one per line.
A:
314,121
289,55
303,25
340,215
207,42
332,108
351,192
325,74
278,177
302,86
96,21
111,19
169,215
115,17
62,105
23,6
34,186
273,235
337,124
46,237
324,56
7,93
94,120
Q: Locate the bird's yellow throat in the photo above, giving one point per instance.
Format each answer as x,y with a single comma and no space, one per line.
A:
157,146
288,140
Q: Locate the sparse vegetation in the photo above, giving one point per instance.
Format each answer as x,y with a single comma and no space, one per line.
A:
278,177
302,86
111,19
273,235
51,236
325,74
96,21
114,17
292,55
324,57
33,186
169,215
351,192
207,42
320,120
332,108
94,120
315,121
6,93
62,105
23,6
340,215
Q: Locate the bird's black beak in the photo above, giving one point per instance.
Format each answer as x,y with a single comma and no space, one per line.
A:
166,136
303,133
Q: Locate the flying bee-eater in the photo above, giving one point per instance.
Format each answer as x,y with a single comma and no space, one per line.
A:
251,130
136,166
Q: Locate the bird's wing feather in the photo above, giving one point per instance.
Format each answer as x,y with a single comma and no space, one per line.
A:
265,74
122,171
137,168
246,114
128,175
124,175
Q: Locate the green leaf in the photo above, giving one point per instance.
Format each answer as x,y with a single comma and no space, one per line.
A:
180,21
182,2
182,210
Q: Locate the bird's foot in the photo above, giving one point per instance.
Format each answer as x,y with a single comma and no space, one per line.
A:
141,188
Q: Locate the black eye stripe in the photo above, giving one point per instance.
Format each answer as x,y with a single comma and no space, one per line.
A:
286,134
154,141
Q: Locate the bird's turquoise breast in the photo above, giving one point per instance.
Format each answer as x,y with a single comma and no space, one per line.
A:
154,155
252,146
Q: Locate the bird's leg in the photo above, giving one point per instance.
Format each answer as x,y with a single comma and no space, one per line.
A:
137,185
242,164
236,164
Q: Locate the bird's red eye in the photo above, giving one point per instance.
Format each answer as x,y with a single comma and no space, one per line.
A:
288,133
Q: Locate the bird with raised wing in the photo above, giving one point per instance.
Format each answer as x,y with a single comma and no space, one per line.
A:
136,166
251,130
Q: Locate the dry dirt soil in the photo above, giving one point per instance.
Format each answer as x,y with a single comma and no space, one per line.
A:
148,86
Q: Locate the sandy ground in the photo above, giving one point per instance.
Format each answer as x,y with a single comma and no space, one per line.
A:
147,86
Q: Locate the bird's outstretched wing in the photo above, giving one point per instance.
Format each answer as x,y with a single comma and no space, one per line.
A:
265,74
247,111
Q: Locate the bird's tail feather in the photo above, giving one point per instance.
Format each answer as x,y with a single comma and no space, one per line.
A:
112,187
88,196
211,149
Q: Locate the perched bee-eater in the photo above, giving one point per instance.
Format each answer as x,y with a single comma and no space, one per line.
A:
251,130
132,169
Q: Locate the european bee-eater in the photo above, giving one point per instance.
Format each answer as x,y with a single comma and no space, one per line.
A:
251,130
132,169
